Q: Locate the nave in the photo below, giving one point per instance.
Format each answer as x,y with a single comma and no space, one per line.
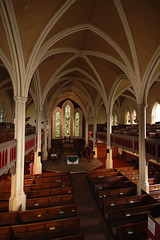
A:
91,204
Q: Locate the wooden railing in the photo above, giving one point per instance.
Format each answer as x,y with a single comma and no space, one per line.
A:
8,151
126,142
131,143
7,155
153,149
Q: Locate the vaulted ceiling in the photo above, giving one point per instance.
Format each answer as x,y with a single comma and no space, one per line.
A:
87,50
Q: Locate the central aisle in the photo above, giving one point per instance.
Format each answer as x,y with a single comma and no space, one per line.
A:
92,221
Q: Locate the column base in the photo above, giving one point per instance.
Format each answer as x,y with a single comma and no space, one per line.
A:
109,160
37,168
142,186
45,155
109,163
17,202
95,150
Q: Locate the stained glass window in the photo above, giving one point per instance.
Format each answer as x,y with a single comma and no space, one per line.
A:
57,124
134,117
2,114
77,124
67,120
128,118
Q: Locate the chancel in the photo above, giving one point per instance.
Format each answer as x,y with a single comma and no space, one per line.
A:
79,119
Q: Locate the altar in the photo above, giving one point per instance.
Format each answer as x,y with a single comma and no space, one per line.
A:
72,159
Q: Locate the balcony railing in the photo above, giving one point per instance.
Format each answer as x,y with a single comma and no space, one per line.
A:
126,142
8,152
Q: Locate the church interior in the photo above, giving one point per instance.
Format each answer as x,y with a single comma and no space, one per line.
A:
80,119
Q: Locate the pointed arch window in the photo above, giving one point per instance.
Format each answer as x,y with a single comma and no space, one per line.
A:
67,120
134,117
2,114
114,120
128,118
156,113
57,124
77,124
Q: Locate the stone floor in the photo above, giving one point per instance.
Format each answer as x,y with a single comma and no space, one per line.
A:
61,165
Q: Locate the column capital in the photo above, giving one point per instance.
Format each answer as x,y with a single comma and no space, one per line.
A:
20,99
38,111
109,114
142,106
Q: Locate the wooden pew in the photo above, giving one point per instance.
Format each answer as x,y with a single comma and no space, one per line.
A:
154,187
125,168
102,177
130,220
38,186
45,214
42,230
50,201
155,195
133,177
97,171
132,231
75,237
5,233
52,179
4,197
42,202
41,193
40,180
131,211
49,192
122,192
4,206
43,175
130,201
126,202
111,185
36,215
47,230
129,172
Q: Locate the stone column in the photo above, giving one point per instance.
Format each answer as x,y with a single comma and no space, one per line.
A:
37,166
94,136
86,132
109,160
49,134
18,197
45,153
143,166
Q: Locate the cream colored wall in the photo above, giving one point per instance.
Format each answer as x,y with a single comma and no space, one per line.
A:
153,96
30,112
90,118
9,106
101,116
128,105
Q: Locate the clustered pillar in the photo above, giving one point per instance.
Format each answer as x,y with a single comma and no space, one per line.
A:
18,197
